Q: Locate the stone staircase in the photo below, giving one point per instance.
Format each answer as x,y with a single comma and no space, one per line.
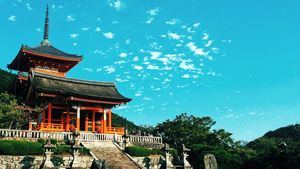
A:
113,156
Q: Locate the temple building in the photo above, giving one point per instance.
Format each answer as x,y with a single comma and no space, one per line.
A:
66,104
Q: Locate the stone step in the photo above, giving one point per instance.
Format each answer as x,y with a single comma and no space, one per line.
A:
112,155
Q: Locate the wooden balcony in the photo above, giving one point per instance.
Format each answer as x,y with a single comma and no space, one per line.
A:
117,130
51,127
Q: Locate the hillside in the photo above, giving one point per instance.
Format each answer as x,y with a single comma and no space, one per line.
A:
6,79
289,132
276,149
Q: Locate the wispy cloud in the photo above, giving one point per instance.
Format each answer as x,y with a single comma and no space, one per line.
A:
108,35
70,18
12,18
74,35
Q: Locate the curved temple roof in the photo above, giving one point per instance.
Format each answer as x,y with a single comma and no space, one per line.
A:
74,87
50,50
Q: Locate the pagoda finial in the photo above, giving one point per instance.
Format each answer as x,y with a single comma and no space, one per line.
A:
46,29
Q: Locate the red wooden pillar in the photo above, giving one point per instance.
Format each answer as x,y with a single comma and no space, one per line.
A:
49,114
86,121
93,121
68,120
78,119
109,119
104,120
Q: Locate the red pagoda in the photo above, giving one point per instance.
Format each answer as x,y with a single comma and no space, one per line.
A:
67,104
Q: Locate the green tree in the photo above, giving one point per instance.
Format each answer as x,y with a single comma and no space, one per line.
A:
10,114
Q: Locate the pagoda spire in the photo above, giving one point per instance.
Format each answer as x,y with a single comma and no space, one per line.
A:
46,29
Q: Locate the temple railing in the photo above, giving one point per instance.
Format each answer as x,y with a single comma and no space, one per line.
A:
145,139
84,136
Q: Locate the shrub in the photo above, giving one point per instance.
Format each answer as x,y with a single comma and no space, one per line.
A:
53,141
84,150
20,147
61,149
138,151
42,141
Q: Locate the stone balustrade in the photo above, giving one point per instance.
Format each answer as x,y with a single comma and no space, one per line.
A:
84,136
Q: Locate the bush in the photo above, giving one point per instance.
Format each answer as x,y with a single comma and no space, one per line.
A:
53,141
20,147
42,141
84,150
61,149
141,151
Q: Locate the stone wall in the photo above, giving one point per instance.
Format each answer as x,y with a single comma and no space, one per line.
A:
150,162
35,162
17,162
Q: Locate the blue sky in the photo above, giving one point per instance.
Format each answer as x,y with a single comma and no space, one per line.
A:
236,61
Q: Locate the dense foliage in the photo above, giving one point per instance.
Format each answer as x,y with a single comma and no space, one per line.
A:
10,116
20,147
141,151
6,80
197,134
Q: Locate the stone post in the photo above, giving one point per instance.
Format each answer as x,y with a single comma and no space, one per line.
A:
186,164
210,161
76,159
168,157
48,153
126,139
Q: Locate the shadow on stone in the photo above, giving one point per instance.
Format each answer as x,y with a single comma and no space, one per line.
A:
27,162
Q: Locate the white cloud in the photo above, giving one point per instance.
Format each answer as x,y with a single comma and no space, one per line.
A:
121,80
173,35
70,18
155,55
185,66
195,25
152,67
137,67
74,35
109,69
88,69
108,35
123,55
195,49
205,36
209,43
135,59
116,4
74,44
12,18
172,22
252,113
150,20
127,41
28,6
97,29
38,29
153,11
186,76
85,28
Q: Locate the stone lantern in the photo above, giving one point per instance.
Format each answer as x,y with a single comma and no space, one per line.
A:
48,152
168,156
125,138
186,164
76,158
